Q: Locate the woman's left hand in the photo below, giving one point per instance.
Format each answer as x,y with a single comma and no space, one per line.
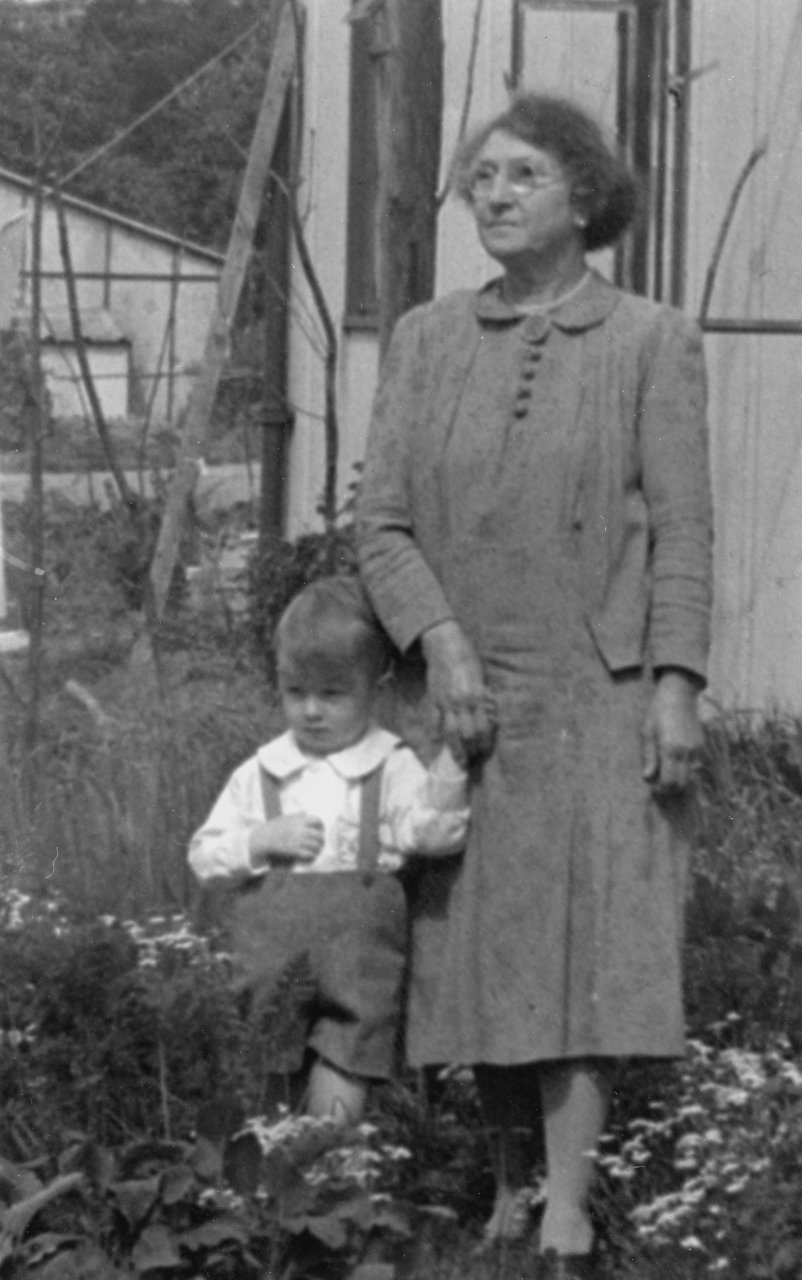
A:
672,734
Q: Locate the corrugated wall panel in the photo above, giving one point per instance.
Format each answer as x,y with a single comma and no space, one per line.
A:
749,90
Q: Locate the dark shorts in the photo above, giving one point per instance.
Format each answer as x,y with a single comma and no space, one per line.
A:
333,951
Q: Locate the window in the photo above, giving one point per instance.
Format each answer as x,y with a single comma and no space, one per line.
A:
614,57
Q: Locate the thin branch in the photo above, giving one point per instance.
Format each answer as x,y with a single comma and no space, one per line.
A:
101,720
331,428
726,222
36,421
83,360
169,330
469,85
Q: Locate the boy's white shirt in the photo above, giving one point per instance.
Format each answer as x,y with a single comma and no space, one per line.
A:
421,810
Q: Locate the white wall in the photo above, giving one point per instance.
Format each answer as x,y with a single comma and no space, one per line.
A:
323,204
461,261
569,53
110,368
751,90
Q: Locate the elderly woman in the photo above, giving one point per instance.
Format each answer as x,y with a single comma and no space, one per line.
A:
535,516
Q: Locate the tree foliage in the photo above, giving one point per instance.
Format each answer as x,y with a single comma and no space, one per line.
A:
69,85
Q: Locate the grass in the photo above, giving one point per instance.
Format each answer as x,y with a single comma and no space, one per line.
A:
114,1037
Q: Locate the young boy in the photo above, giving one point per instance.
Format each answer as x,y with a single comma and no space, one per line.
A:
315,824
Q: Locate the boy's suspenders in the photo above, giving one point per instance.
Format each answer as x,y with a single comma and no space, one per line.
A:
367,859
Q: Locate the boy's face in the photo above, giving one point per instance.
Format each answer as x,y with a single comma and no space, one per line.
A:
326,712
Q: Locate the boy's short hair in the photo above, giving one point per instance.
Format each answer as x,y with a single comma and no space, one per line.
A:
330,626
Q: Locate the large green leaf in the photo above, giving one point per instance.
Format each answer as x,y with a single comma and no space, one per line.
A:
328,1228
373,1271
16,1181
136,1198
87,1262
156,1248
214,1232
177,1184
15,1220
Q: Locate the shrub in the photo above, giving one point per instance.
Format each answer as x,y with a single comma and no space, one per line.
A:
109,1028
279,570
705,1181
744,934
128,1071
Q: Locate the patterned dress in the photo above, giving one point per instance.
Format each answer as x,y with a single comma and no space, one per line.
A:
559,935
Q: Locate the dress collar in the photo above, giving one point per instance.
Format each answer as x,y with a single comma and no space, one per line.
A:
586,309
283,757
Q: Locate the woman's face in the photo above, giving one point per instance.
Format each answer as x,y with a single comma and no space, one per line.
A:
521,199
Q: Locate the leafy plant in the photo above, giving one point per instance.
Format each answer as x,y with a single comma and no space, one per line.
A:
744,919
279,570
708,1175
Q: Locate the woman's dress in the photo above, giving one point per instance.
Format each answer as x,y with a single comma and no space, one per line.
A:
564,921
543,479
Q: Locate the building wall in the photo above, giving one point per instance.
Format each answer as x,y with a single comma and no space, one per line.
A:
323,203
749,92
164,353
746,71
461,261
110,373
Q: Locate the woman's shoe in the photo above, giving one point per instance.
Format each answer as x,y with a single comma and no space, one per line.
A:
565,1266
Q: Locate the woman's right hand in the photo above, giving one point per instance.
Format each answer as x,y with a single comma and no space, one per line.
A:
457,687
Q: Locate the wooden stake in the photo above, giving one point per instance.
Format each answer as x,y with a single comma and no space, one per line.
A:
408,52
198,415
98,416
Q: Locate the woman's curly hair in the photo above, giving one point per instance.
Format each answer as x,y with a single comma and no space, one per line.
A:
601,185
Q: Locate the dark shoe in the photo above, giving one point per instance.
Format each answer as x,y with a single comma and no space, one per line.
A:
565,1266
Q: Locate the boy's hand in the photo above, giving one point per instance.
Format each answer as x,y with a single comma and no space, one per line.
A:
291,837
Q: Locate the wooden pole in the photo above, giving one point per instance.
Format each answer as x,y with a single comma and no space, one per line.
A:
98,416
37,411
408,47
277,414
198,416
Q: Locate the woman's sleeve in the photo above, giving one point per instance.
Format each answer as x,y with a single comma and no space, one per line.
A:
676,486
405,592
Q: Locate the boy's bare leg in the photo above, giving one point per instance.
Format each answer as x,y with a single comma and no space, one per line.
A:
335,1096
511,1104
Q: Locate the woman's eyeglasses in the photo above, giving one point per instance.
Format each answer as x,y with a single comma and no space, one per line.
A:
520,177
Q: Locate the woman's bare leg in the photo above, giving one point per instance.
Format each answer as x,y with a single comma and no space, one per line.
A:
511,1103
576,1098
333,1095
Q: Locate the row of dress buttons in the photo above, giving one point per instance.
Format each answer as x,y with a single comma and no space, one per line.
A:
534,335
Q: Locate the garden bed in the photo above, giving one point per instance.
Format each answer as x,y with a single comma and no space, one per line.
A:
142,1131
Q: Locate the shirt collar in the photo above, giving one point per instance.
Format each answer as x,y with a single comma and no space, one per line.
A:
283,757
586,309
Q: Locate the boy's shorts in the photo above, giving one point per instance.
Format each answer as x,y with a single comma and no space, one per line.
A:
333,949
